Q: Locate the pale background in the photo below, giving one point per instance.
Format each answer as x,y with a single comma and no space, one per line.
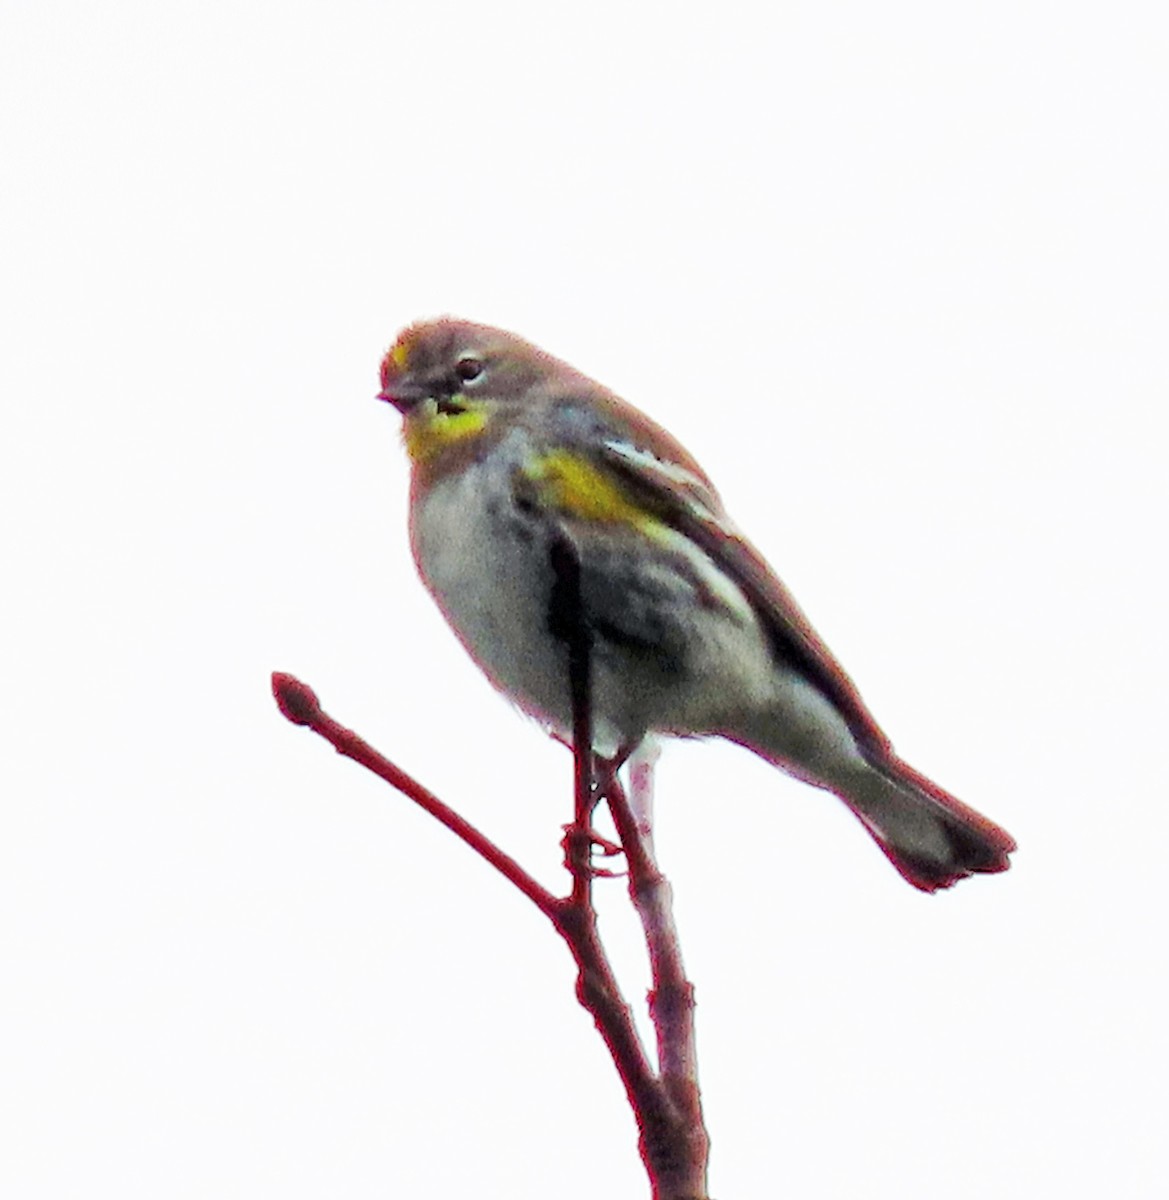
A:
898,273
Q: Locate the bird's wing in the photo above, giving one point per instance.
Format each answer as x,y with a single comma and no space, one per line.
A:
686,500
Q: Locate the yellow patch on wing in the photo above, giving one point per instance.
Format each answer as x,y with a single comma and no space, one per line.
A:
572,484
428,432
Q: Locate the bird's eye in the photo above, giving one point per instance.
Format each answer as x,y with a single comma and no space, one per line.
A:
469,367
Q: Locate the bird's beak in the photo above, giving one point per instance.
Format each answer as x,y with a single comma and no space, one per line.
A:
402,396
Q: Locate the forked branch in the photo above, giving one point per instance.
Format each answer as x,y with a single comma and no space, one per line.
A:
666,1104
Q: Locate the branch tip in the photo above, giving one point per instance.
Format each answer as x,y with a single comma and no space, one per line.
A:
297,701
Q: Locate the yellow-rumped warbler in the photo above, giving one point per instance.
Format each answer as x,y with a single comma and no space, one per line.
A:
692,633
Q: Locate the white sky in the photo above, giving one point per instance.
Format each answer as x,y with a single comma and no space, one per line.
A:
898,274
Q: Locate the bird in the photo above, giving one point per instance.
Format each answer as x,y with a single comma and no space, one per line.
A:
513,454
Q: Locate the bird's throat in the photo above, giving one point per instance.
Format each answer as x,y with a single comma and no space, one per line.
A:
429,432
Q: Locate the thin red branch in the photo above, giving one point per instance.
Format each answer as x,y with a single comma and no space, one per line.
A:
671,997
597,986
569,624
299,703
672,1140
600,995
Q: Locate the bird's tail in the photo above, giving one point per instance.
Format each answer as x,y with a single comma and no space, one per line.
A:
932,838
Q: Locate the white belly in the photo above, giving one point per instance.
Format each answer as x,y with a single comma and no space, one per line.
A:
491,585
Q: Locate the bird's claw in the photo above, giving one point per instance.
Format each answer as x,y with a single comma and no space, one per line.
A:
591,841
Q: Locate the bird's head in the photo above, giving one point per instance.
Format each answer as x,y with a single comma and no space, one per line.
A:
451,379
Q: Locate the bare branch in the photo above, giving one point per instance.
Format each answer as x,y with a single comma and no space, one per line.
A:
681,1161
672,1138
568,622
299,703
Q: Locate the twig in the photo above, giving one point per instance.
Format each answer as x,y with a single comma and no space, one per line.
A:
671,1140
681,1160
299,703
568,623
597,987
